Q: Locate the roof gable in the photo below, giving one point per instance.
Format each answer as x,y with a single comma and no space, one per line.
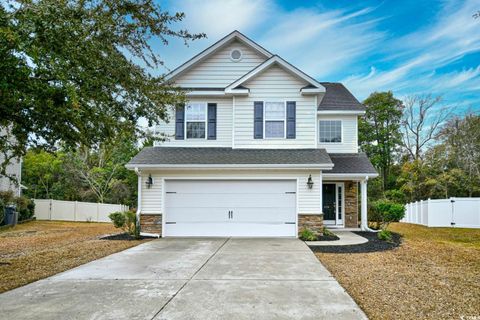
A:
313,85
234,36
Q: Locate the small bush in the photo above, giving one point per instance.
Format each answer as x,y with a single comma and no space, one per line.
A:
7,197
384,235
2,211
307,235
328,233
25,208
118,219
388,211
127,221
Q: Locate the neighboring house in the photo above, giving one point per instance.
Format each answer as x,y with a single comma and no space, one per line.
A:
14,170
260,149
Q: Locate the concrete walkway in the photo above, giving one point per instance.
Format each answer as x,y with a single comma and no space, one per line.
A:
346,238
190,279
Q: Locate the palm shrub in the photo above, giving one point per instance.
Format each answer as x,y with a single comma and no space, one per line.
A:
307,235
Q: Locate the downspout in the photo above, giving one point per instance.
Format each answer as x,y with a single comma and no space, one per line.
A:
139,196
364,224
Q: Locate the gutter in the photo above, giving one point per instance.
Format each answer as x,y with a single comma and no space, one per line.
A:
229,166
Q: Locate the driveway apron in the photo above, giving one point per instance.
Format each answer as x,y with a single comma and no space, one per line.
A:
183,278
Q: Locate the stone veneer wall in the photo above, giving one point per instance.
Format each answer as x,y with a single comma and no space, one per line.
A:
151,223
312,222
351,204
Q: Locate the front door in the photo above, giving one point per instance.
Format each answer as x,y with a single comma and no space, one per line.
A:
332,194
329,202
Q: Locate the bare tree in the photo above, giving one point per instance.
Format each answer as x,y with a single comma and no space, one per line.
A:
421,122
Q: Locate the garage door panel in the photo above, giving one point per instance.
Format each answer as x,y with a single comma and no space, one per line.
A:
230,230
201,208
275,214
186,214
229,186
229,200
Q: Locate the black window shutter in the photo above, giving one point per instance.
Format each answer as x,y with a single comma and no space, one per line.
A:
212,121
291,119
258,120
179,122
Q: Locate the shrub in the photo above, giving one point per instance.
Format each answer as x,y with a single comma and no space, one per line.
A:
384,235
25,208
327,232
388,211
307,235
395,195
118,219
127,221
7,197
2,211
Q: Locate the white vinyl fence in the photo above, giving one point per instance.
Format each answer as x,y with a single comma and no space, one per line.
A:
453,212
47,209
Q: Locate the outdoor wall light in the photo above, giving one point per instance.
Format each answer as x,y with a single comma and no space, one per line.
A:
310,182
149,181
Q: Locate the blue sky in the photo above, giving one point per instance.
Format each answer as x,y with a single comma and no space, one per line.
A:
409,47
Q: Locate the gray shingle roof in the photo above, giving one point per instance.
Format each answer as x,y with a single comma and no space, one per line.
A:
229,156
351,163
337,97
343,162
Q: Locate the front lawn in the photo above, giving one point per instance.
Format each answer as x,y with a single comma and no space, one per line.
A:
434,274
39,249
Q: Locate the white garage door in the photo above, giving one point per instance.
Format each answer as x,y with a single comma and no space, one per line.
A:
252,208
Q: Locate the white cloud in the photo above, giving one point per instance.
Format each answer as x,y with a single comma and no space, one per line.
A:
217,18
417,56
322,42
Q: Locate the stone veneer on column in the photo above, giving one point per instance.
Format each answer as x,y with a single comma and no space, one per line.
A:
351,204
312,222
151,223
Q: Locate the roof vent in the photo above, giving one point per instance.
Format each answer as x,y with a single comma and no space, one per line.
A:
236,55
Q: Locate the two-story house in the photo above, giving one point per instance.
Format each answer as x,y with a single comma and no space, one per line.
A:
260,149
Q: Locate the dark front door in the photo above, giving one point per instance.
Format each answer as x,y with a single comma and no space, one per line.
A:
329,202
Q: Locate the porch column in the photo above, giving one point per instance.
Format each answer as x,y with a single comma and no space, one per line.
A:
363,205
321,191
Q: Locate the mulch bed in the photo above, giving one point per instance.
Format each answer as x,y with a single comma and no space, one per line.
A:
373,245
124,236
328,238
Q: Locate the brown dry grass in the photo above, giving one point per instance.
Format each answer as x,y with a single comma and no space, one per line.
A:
434,274
39,249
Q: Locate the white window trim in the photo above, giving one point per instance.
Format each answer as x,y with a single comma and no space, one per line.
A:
284,119
205,104
341,131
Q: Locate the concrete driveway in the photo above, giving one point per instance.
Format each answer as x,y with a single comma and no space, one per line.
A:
190,279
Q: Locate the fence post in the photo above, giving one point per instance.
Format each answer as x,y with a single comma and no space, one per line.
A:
98,210
50,209
452,201
421,212
428,212
75,211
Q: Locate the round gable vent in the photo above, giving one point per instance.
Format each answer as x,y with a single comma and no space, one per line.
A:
236,55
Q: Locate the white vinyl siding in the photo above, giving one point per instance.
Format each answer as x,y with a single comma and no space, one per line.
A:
224,127
308,199
349,128
275,84
218,71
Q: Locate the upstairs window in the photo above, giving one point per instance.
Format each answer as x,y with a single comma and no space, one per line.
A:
196,120
330,131
274,120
